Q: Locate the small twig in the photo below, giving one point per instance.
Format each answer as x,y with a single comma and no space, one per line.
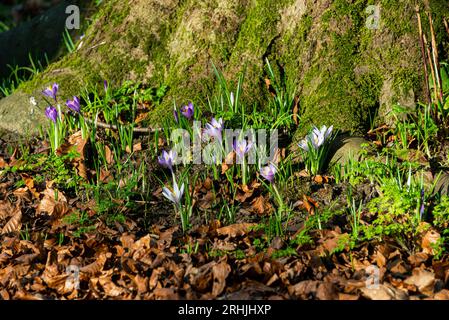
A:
97,45
446,26
114,127
435,57
429,57
423,53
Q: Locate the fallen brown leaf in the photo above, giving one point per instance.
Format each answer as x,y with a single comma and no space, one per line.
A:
228,162
14,222
384,292
29,182
6,209
136,147
429,240
220,272
53,203
95,266
235,230
423,280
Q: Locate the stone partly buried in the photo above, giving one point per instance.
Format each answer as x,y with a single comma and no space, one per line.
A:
345,147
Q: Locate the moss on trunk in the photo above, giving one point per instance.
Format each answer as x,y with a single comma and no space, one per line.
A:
342,70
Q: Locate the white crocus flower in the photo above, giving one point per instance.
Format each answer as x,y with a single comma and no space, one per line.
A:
174,195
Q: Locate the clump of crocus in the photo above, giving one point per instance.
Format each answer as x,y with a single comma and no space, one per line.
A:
52,91
74,104
54,132
167,159
174,195
315,147
188,111
316,138
54,114
269,172
241,148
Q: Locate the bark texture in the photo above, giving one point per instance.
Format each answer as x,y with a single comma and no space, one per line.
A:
343,71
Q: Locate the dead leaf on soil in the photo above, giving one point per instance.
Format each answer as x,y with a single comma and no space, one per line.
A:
95,266
220,272
53,203
423,280
309,204
14,222
384,292
429,240
260,206
228,162
136,147
29,182
235,230
6,209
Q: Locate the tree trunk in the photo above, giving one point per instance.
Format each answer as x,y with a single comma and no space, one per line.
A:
344,70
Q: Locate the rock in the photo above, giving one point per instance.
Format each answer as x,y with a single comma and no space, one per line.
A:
390,97
22,120
345,148
442,184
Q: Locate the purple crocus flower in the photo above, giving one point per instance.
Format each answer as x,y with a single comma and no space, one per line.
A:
51,91
52,114
214,128
74,104
268,172
105,85
421,210
187,111
241,147
167,159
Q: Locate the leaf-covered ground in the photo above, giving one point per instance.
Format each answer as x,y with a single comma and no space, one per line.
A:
47,247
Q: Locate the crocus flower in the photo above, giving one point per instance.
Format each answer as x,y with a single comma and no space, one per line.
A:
167,159
268,172
51,91
231,97
304,145
241,147
174,195
214,128
52,114
105,85
316,138
74,104
187,111
175,114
